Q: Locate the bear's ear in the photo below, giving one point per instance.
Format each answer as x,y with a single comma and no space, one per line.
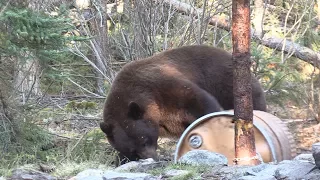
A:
106,128
135,111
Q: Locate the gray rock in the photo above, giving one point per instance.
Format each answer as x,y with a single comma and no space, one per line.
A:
315,175
175,172
231,172
128,166
89,174
316,153
141,165
109,175
28,174
304,158
285,170
253,170
316,147
236,171
267,177
203,157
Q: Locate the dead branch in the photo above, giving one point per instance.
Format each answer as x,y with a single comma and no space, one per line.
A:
290,47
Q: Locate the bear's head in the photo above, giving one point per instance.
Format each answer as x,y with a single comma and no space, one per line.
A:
134,137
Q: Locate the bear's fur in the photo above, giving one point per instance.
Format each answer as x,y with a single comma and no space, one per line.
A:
163,94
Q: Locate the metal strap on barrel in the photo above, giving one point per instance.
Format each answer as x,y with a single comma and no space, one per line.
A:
194,124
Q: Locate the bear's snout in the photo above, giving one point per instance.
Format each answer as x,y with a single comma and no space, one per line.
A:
148,152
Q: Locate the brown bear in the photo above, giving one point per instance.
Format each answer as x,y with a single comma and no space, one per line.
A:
163,94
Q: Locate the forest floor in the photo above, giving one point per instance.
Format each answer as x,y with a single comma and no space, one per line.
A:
305,129
306,133
70,128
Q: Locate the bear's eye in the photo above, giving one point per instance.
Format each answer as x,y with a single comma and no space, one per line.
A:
145,142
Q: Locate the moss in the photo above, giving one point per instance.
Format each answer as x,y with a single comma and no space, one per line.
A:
70,168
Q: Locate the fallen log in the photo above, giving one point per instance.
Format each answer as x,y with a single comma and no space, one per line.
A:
287,46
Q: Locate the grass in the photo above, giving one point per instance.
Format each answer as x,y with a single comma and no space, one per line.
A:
69,149
194,172
70,168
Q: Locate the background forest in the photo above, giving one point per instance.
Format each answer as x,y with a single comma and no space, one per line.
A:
59,57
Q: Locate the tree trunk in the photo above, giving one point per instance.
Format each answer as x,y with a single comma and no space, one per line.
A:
258,17
245,151
318,118
318,14
26,78
9,106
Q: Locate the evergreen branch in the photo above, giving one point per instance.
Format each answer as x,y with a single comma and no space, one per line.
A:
277,82
4,8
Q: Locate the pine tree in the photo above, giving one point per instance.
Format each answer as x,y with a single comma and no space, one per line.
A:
26,36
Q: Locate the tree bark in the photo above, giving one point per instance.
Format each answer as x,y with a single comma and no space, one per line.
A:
27,78
258,17
298,51
318,118
318,13
245,151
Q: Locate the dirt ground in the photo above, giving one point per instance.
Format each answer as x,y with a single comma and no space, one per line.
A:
306,133
304,127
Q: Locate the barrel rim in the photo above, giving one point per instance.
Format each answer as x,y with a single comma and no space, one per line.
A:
230,113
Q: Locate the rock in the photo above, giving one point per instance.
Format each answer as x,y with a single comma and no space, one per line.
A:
128,166
304,158
89,174
316,157
267,177
253,170
316,153
203,157
109,175
141,165
46,167
28,174
284,170
236,171
95,174
175,172
316,147
313,176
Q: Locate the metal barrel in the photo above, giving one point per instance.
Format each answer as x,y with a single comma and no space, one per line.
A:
215,132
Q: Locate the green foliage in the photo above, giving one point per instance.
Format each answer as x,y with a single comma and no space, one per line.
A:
29,30
281,80
28,34
25,144
194,171
83,105
311,39
32,144
91,147
71,168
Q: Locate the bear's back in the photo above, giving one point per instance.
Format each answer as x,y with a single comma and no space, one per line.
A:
203,65
208,67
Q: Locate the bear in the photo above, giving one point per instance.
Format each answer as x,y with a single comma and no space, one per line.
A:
163,94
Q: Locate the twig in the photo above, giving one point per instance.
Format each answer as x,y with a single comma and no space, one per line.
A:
4,8
69,152
85,89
